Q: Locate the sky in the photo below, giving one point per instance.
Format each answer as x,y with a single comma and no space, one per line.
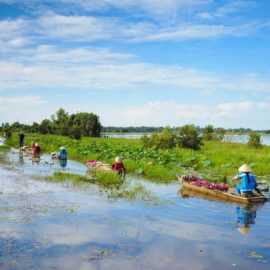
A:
137,62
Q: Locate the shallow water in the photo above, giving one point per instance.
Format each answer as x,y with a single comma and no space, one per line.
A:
227,138
61,226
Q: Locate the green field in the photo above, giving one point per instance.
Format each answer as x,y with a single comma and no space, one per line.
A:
216,161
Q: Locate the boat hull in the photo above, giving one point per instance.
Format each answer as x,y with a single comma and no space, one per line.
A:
219,195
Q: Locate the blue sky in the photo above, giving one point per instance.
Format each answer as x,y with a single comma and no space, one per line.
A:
143,62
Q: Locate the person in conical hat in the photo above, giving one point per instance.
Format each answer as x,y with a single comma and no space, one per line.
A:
247,178
118,166
63,153
245,168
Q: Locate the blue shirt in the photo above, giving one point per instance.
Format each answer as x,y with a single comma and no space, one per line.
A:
247,185
21,136
63,154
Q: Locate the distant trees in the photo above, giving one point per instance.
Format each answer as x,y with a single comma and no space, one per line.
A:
208,133
61,123
164,140
254,140
188,137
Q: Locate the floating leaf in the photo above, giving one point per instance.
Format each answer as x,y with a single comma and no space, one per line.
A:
139,171
207,163
255,255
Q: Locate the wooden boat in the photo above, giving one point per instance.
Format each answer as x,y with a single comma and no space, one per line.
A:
218,195
96,165
26,150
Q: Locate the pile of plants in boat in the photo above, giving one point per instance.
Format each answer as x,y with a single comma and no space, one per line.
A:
197,181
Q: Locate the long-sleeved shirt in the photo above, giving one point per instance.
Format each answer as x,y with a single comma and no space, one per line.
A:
248,181
118,167
63,154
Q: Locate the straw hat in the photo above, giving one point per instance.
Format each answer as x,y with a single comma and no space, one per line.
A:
118,159
243,230
245,168
62,148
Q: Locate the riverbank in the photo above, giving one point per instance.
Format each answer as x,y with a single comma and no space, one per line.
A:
216,161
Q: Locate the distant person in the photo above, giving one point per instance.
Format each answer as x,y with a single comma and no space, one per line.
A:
118,166
21,139
248,180
63,153
36,149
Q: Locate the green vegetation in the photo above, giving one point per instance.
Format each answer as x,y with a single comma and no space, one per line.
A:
166,139
188,137
108,182
215,161
61,123
61,176
254,140
106,179
4,147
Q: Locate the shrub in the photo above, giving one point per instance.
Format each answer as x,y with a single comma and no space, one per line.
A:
254,140
7,133
188,137
163,140
220,133
208,133
75,133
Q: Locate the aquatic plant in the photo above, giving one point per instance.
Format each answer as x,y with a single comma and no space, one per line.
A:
196,181
216,161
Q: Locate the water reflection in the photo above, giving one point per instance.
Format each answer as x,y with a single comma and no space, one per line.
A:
245,217
63,163
49,226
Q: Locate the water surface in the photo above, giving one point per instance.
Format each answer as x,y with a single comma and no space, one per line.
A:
62,226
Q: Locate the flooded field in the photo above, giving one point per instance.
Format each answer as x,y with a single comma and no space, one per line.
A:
66,226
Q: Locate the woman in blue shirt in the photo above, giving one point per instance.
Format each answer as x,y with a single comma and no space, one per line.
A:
248,180
63,153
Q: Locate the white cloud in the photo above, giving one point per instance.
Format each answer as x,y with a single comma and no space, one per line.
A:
21,101
51,26
244,113
92,68
159,9
229,8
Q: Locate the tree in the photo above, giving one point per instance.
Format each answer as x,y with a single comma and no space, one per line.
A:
45,127
88,123
208,133
162,140
60,122
254,140
188,137
75,133
220,133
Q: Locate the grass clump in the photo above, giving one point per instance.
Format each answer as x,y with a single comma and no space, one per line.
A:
106,179
62,176
137,191
4,147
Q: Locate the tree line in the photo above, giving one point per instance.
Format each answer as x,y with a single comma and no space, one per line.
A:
61,123
189,137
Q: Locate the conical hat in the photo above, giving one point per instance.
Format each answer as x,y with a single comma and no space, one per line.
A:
118,159
245,168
